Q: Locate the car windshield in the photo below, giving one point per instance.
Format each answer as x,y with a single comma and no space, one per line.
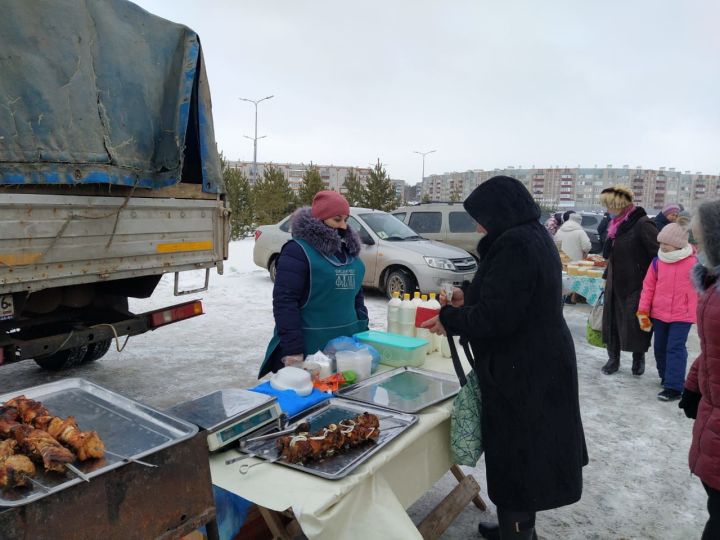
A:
389,227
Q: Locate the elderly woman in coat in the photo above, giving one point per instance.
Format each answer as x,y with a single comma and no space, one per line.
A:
701,397
524,358
630,247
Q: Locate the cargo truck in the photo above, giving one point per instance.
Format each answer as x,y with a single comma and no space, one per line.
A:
109,176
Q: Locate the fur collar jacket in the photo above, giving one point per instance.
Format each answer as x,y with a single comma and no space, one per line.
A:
326,240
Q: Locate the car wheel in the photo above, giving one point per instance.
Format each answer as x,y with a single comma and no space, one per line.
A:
399,281
62,359
272,268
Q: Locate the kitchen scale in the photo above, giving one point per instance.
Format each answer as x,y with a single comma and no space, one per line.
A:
228,414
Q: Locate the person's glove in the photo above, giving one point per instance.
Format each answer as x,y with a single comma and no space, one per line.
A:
689,403
292,360
644,320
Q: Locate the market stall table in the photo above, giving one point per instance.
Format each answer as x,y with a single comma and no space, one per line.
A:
589,287
370,502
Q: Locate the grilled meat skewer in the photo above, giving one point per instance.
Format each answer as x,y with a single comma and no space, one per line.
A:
86,444
14,468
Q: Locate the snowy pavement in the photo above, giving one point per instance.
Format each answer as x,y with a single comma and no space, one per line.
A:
637,485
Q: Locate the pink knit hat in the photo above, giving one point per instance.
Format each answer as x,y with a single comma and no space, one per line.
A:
674,235
669,208
327,204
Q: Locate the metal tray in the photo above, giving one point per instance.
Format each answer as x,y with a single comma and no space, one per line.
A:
127,428
392,424
405,389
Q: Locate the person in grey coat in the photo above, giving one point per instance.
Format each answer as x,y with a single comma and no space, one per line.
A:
524,358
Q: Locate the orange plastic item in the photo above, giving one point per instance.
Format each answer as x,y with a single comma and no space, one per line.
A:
332,383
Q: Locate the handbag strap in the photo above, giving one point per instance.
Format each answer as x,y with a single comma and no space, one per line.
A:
459,371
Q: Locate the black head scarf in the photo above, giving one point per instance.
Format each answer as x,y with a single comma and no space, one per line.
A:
499,204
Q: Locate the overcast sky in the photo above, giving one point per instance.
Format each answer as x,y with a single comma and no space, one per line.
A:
485,83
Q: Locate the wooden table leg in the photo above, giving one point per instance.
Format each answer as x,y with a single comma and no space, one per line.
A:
459,475
444,513
275,524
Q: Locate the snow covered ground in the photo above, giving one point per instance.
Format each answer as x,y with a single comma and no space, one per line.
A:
637,485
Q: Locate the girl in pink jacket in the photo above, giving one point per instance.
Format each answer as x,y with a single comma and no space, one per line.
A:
668,304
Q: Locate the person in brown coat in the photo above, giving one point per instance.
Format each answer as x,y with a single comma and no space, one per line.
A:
630,247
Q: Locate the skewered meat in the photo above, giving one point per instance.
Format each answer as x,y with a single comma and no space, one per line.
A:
41,446
329,440
86,444
14,468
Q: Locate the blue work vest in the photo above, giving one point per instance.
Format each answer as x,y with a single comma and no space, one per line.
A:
329,311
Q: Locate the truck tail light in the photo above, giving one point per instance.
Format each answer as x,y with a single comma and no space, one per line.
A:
173,314
258,232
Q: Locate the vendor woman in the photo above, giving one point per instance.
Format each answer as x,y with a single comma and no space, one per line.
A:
318,284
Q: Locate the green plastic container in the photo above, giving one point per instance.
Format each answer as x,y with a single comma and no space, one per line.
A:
396,350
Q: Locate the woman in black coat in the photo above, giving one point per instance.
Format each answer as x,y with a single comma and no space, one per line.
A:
630,247
511,314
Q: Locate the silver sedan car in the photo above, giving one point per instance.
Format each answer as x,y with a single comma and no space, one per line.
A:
396,258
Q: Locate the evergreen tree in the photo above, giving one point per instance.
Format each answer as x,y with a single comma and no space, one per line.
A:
380,190
455,194
311,184
272,196
425,198
239,199
355,193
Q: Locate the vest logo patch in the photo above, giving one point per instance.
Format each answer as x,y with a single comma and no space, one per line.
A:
344,279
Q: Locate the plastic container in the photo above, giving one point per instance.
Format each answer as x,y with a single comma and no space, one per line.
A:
434,305
396,350
292,378
359,361
407,317
393,313
420,317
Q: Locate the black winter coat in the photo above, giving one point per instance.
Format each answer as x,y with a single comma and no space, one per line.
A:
629,256
524,355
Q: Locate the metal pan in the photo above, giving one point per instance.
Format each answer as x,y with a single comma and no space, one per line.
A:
405,389
130,431
392,425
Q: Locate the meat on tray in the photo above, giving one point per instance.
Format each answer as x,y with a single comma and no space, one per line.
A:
29,432
86,444
14,468
330,440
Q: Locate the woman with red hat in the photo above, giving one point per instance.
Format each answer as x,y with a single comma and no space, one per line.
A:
318,285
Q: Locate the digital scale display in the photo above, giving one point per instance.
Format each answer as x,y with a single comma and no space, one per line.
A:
232,432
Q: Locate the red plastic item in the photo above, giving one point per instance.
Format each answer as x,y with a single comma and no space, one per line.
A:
332,383
423,314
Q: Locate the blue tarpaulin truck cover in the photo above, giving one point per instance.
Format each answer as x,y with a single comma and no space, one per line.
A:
101,91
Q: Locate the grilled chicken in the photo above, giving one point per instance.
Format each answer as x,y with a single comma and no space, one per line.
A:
86,444
329,440
14,468
41,446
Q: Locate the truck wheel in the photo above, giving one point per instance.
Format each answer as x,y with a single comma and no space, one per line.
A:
400,281
96,350
62,359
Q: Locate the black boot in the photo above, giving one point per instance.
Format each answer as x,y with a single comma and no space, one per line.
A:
517,525
612,365
638,365
491,531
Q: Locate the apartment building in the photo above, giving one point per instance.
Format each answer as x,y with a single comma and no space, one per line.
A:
579,187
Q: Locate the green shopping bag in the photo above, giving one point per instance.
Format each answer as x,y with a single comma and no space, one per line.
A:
594,337
465,433
465,421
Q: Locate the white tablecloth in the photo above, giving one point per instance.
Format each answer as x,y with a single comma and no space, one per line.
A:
368,503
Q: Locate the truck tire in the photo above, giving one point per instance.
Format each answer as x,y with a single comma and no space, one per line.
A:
401,281
96,350
62,359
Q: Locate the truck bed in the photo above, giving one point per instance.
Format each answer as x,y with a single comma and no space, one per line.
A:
53,240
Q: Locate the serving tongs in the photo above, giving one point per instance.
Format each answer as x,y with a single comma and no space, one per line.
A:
303,426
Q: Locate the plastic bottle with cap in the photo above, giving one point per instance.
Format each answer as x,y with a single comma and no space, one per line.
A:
393,313
432,303
424,332
407,316
417,300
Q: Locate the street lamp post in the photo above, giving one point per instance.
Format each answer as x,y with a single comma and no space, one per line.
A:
423,154
255,139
